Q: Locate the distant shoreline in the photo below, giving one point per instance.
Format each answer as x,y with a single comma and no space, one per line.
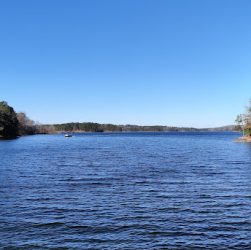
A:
78,127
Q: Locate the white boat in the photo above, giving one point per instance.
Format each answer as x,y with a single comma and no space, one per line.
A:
67,135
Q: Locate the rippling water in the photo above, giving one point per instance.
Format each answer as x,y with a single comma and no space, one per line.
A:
125,191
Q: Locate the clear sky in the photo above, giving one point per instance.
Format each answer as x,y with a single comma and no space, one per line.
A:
167,62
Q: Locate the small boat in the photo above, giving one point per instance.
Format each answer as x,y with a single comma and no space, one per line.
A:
67,135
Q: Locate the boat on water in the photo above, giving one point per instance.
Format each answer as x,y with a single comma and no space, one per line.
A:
67,135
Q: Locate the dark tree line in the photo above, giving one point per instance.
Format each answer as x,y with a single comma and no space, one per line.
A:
96,127
86,127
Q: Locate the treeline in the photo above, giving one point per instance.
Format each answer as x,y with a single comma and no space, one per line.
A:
86,127
96,127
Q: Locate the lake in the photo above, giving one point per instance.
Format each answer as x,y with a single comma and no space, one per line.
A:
125,191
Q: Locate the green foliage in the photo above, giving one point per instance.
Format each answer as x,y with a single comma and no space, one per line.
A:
247,131
8,121
243,121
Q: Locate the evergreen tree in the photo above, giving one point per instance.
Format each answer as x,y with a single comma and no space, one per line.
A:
8,121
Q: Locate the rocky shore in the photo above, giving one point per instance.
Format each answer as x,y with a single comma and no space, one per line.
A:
244,139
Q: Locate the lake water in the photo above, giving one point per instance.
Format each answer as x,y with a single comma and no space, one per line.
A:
125,191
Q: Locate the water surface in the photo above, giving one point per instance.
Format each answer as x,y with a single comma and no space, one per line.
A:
125,191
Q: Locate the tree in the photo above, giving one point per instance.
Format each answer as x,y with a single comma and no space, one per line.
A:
26,125
244,121
247,121
8,121
248,114
240,122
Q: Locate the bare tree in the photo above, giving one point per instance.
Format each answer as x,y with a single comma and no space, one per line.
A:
26,125
248,114
240,121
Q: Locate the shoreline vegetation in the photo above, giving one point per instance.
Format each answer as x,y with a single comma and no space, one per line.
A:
86,127
13,125
243,122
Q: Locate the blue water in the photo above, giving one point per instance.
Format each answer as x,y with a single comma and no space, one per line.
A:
125,191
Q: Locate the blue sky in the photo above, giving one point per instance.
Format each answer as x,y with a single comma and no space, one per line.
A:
167,62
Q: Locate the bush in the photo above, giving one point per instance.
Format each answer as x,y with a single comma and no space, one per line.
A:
247,131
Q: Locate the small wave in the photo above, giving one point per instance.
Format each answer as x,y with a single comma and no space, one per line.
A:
50,224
